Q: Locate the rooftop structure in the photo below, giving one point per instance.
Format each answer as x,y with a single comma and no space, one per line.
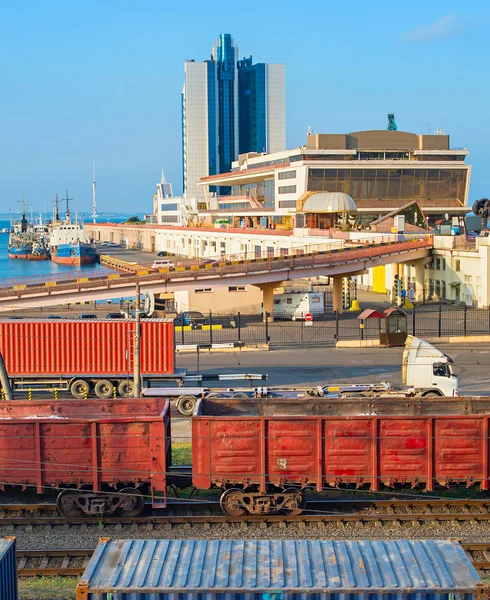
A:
381,170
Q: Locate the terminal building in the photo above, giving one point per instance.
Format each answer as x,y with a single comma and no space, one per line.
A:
381,171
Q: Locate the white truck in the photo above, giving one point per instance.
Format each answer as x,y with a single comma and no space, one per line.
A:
426,371
295,305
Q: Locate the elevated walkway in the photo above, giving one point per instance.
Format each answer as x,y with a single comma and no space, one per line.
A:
305,262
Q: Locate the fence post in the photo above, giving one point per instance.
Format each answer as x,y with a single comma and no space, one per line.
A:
267,339
439,328
239,327
336,326
182,329
465,318
211,327
414,329
302,329
489,319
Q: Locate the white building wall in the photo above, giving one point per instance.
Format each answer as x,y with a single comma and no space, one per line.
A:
276,108
195,123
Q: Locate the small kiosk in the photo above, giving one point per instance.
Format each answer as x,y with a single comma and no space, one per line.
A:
393,328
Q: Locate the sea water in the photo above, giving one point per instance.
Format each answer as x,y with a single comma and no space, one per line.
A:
18,268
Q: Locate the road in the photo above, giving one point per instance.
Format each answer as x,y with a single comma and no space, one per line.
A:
314,366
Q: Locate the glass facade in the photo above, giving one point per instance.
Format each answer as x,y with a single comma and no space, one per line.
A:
370,184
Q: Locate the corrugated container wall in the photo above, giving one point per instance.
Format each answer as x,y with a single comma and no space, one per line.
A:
280,569
8,569
92,347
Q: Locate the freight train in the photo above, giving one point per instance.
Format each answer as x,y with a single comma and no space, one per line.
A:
110,456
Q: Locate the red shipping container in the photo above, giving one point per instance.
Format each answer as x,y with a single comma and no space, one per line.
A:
90,444
85,347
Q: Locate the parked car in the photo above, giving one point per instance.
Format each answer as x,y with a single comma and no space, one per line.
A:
164,253
115,315
191,317
53,317
87,316
163,264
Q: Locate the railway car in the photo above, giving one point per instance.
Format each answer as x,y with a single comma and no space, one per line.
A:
265,454
102,456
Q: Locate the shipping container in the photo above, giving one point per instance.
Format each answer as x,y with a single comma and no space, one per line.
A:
8,569
81,355
280,570
108,455
264,454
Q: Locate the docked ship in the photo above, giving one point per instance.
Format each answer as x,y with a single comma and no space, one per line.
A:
39,251
68,241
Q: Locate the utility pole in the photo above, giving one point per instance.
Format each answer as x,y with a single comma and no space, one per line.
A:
137,337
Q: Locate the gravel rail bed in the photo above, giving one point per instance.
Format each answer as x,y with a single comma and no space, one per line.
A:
73,537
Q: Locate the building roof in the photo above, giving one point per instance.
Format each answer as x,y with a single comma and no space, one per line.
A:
213,568
329,202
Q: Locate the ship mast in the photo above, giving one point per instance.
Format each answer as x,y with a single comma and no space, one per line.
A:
68,200
56,209
23,221
94,199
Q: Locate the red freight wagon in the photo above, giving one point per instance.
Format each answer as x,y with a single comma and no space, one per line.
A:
105,456
263,454
81,355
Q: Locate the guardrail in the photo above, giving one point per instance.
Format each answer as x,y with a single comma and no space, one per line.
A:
299,260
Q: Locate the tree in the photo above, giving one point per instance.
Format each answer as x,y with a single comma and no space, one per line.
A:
133,220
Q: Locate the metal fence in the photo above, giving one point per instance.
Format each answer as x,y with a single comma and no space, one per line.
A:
326,329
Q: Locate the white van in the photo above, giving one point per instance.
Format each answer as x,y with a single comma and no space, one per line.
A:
163,264
295,305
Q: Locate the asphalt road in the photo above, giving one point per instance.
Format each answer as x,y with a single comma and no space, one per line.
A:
315,366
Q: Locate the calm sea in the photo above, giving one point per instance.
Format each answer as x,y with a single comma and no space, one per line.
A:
14,268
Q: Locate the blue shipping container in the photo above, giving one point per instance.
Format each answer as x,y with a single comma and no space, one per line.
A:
8,569
280,570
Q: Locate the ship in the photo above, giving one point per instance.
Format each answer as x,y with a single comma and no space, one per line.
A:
68,241
39,251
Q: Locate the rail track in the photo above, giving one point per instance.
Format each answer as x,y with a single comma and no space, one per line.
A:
32,563
411,513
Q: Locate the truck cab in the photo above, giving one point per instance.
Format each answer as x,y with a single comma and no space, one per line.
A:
427,370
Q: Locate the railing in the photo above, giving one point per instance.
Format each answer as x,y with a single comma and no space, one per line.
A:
321,255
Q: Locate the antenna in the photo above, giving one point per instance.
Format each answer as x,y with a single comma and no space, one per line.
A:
94,198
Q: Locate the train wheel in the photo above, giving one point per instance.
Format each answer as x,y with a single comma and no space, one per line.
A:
104,389
295,504
186,405
230,502
126,388
133,503
66,503
79,388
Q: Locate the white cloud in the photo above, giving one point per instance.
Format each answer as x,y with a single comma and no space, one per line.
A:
442,28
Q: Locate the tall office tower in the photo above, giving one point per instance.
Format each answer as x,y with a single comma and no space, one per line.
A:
229,107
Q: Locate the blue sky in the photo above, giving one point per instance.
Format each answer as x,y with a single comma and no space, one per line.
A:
101,81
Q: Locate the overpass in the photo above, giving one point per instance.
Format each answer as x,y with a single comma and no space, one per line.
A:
265,273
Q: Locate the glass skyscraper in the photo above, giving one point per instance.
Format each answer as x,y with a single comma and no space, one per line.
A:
229,107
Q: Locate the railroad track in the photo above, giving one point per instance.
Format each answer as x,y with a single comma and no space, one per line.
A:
429,506
32,563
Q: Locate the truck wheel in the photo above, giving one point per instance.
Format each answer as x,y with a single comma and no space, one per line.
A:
241,396
186,405
433,394
79,388
104,389
214,395
126,388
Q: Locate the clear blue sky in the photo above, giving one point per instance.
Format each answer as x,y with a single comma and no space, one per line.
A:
101,81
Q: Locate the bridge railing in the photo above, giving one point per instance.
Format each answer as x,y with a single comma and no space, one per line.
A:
305,257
